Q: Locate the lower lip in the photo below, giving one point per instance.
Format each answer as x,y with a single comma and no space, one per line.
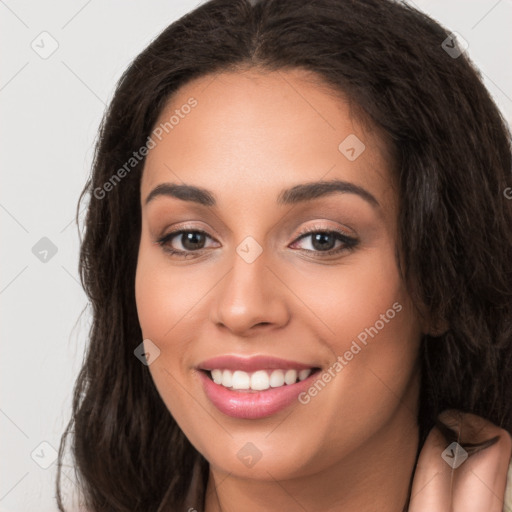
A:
254,404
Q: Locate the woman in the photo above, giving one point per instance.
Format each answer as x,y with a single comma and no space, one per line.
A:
298,249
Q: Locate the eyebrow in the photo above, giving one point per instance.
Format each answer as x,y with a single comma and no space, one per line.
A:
296,194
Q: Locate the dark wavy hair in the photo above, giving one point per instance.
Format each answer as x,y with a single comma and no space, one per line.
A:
452,160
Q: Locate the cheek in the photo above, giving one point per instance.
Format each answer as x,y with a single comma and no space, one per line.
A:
352,296
372,326
162,303
165,296
152,300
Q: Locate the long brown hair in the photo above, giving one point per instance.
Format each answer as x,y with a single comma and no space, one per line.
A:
452,159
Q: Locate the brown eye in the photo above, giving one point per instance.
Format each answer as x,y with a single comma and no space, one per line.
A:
192,240
187,241
324,241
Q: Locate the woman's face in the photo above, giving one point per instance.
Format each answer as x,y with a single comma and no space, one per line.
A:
250,282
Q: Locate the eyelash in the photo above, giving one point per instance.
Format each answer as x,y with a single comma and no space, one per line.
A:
349,243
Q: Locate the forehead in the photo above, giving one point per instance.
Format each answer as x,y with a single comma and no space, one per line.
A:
255,130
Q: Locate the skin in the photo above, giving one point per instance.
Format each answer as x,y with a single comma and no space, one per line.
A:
251,135
478,483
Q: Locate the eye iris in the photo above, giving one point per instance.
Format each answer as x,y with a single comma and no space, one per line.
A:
189,239
323,241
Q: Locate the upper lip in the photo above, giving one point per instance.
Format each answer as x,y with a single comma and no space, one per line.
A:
251,364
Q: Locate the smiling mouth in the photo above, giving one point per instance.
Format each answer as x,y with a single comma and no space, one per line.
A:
260,380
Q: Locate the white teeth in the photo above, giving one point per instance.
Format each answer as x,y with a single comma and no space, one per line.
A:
277,379
241,380
227,378
304,374
217,376
290,377
260,380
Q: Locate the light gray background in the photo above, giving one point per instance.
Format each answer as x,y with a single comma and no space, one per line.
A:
50,110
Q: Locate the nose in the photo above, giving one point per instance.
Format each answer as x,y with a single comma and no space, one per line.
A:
250,299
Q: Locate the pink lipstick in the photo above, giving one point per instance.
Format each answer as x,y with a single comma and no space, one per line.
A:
255,387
